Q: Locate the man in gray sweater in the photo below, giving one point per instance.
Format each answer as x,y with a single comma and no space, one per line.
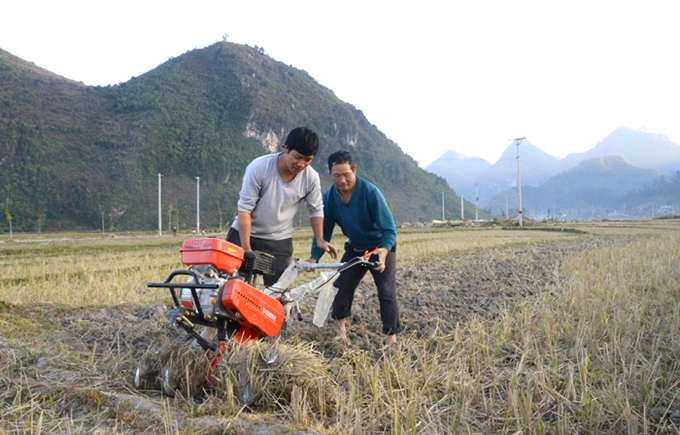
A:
273,187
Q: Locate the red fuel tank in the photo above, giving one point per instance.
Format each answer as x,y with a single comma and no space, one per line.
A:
222,255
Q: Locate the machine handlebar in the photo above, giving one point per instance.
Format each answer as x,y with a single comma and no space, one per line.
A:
356,261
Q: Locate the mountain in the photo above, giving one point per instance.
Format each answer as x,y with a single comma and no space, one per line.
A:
641,148
75,156
593,188
459,170
536,167
463,172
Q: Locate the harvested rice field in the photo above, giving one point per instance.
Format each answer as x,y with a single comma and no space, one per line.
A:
552,328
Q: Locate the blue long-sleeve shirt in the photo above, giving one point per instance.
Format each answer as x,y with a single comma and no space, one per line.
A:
365,220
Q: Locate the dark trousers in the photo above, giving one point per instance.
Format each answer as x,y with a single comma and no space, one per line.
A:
385,282
282,250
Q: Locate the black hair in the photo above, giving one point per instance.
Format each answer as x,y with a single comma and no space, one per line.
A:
340,158
303,140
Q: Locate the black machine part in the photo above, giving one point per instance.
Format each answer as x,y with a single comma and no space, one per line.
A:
256,263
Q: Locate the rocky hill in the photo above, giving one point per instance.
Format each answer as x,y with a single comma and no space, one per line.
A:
74,156
460,171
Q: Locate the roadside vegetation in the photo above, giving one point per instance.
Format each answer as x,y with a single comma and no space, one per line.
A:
505,332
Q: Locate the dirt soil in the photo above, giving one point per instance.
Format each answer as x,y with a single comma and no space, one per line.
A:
438,293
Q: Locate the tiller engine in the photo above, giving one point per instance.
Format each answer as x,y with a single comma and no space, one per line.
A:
219,292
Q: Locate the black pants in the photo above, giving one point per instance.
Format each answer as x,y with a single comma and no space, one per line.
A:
385,282
282,250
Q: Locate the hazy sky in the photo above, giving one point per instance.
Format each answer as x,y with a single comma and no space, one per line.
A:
432,76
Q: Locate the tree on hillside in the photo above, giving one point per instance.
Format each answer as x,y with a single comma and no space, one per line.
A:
101,210
40,223
169,218
661,192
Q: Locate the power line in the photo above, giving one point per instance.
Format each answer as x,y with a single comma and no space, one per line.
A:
528,165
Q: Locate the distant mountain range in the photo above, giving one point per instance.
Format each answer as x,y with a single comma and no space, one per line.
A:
623,161
591,189
639,147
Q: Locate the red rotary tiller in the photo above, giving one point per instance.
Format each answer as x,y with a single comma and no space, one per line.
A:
219,292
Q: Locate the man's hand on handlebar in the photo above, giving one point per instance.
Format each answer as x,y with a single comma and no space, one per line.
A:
380,264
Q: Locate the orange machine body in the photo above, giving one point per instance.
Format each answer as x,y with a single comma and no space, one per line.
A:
255,311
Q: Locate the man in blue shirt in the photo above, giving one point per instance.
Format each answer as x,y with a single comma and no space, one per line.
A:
362,213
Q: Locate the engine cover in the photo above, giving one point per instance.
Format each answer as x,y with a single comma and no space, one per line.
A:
253,309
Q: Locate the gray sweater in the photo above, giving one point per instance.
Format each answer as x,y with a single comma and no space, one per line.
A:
272,204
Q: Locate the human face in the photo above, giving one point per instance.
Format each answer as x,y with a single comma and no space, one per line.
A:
344,177
296,162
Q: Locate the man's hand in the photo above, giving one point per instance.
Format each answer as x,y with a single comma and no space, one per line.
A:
317,229
327,247
380,264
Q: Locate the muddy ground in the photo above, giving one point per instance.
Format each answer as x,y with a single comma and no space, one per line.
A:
436,294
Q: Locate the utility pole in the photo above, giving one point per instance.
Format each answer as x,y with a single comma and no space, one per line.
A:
198,205
476,202
519,179
160,221
506,208
462,208
443,217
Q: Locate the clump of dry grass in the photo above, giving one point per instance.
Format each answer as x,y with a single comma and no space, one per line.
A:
273,376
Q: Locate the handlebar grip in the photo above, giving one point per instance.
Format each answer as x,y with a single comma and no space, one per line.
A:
368,254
